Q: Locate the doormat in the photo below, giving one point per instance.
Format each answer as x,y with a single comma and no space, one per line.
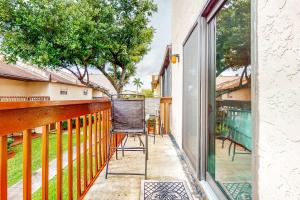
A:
165,190
238,191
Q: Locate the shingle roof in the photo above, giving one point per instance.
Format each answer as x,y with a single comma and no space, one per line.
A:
24,72
13,72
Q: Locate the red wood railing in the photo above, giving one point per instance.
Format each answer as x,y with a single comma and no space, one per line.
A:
23,116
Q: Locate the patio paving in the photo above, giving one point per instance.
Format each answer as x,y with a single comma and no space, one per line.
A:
164,164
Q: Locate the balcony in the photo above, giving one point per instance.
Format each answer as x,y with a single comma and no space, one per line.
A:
73,168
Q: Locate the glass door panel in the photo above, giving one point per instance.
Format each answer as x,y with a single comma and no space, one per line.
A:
229,99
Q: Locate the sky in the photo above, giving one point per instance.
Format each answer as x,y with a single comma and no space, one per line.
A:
151,63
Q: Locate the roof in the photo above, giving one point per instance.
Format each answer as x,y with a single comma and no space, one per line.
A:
24,72
166,60
13,72
228,82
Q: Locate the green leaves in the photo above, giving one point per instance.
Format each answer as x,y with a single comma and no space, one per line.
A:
85,33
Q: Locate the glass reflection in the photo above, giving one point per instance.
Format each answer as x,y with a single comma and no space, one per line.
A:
230,133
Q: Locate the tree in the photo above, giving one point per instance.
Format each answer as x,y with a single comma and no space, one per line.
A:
109,35
138,83
233,37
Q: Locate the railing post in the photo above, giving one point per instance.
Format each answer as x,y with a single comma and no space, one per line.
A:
27,164
45,162
90,147
78,157
95,141
84,152
3,167
100,139
59,159
70,160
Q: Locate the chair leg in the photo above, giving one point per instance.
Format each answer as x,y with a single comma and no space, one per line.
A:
116,148
123,145
234,146
108,155
146,156
229,148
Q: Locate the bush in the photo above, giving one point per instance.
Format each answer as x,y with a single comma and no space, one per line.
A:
10,141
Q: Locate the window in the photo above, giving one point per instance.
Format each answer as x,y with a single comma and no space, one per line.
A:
85,91
190,104
64,91
229,99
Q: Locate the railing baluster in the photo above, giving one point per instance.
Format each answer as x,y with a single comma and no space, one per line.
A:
100,139
59,158
3,167
78,157
27,164
70,160
95,141
105,134
90,147
84,152
45,162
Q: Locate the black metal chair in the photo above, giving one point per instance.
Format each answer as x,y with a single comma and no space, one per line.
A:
128,117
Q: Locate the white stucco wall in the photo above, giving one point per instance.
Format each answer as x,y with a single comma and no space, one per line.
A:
184,15
74,92
278,34
12,88
23,88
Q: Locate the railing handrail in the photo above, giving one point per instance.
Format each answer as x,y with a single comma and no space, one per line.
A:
19,116
33,104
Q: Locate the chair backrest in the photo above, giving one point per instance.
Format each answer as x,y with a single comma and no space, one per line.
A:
128,112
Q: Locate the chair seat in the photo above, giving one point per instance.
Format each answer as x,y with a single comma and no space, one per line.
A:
133,131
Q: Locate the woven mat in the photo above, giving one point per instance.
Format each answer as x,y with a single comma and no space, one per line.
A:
165,190
238,191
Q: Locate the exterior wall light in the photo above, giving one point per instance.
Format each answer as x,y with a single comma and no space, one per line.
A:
175,58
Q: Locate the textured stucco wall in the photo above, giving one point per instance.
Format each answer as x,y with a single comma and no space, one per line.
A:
74,92
184,15
12,88
278,39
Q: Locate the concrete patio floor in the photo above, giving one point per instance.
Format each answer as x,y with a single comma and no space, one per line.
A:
164,164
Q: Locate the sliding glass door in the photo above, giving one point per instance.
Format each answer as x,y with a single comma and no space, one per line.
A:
229,121
191,91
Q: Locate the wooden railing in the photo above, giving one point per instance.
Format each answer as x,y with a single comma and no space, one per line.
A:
23,98
165,113
23,116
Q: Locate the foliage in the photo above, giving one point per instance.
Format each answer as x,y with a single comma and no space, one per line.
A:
138,83
234,36
233,41
147,93
109,35
10,141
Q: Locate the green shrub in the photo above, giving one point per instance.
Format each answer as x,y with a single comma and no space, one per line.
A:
10,141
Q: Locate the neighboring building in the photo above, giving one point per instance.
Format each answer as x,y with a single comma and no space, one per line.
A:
155,86
24,80
100,79
261,120
165,74
162,84
226,85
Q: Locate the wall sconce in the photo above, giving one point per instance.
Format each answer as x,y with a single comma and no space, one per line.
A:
175,58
